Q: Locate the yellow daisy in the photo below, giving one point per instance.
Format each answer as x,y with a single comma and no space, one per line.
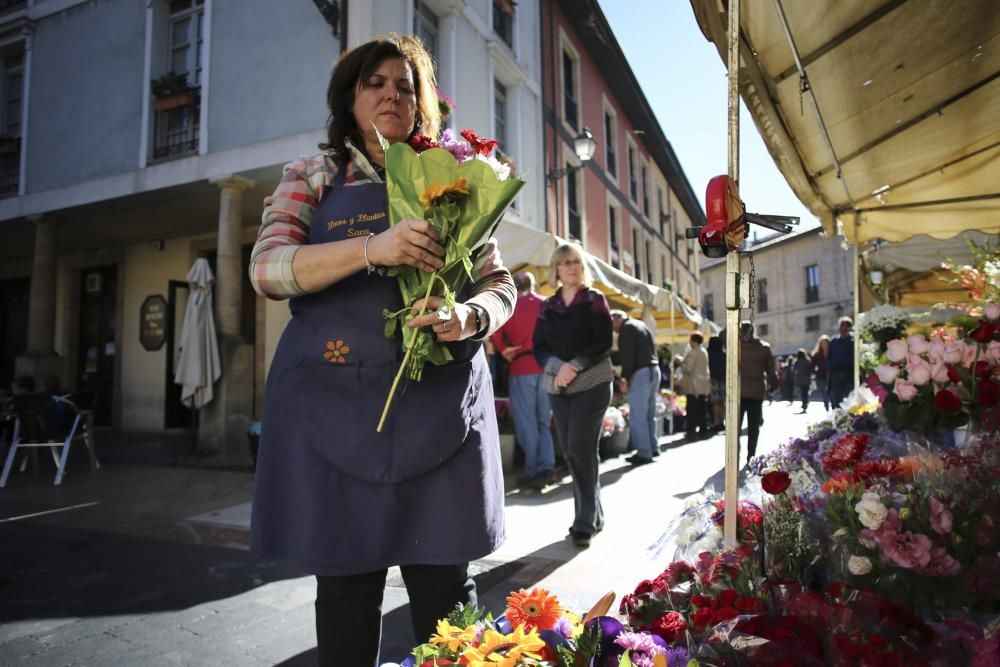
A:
436,191
499,650
453,636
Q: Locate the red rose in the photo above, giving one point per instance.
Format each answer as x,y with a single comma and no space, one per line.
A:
953,374
983,333
947,402
776,482
723,614
420,143
645,586
701,601
670,626
987,394
727,598
745,604
701,618
982,369
481,146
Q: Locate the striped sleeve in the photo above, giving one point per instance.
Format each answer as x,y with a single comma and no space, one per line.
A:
494,290
288,214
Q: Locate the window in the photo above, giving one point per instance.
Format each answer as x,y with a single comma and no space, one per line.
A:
186,38
645,191
12,89
761,296
573,207
637,269
812,284
663,215
610,143
425,26
708,308
614,244
503,20
649,263
500,116
664,281
632,183
762,330
569,90
812,323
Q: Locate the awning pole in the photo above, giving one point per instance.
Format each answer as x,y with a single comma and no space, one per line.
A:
670,362
857,300
733,292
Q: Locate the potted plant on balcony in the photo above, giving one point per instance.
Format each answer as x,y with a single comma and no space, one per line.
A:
171,91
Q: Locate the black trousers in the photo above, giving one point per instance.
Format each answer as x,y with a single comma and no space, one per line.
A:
349,609
754,407
697,414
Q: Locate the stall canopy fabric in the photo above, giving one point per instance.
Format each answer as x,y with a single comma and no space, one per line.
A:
884,117
524,247
198,365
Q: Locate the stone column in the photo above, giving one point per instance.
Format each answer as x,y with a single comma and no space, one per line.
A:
40,360
223,423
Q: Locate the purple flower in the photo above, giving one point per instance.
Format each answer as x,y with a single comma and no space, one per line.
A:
941,519
909,550
563,627
677,656
642,647
457,146
941,564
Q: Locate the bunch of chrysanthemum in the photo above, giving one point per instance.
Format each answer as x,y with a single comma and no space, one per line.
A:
847,450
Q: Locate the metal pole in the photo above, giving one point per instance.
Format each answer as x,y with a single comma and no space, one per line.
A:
733,292
857,299
670,361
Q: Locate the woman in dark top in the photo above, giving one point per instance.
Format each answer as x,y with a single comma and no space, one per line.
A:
572,344
717,371
819,368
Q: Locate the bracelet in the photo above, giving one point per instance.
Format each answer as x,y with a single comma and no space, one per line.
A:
372,268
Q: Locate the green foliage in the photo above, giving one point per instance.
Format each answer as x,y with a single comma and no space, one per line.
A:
465,615
169,84
588,644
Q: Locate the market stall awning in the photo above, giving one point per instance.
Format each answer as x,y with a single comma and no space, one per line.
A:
524,247
904,135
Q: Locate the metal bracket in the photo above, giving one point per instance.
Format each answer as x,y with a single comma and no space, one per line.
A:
737,291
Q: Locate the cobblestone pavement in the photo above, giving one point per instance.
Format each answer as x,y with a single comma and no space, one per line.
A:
148,565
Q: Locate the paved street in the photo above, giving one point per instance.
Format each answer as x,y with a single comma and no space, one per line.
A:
147,565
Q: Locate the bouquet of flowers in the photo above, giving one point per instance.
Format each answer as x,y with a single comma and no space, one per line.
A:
883,323
614,422
462,189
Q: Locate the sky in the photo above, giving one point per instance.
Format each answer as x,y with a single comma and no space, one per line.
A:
684,80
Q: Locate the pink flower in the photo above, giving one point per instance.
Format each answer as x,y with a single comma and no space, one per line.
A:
992,312
909,550
941,564
867,538
896,350
905,390
941,519
918,371
939,372
918,344
954,352
460,148
887,373
936,351
993,351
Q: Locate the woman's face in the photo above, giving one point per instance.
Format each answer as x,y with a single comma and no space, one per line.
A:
570,270
824,345
388,99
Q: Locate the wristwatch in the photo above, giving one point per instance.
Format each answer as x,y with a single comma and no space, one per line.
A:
482,320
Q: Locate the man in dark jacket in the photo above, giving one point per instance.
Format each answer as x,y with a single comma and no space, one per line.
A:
756,377
641,381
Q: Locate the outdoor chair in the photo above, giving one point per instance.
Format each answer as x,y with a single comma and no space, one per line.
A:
53,422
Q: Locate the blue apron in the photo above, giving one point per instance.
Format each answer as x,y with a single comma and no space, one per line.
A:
331,495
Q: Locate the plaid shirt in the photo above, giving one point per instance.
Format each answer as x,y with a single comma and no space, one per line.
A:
289,212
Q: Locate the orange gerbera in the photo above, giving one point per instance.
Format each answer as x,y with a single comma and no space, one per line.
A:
435,192
536,609
337,351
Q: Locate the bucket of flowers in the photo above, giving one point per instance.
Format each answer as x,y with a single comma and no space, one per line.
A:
614,432
882,324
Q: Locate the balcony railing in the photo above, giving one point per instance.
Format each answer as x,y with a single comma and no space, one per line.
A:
812,293
176,126
10,166
12,4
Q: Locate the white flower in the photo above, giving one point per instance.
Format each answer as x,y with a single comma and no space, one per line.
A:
871,511
859,565
499,168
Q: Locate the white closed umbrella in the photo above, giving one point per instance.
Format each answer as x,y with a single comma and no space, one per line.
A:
198,365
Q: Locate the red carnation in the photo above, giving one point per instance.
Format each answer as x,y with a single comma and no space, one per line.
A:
727,598
701,601
776,482
983,333
481,146
723,614
701,618
875,468
847,450
420,143
987,394
947,402
645,586
670,626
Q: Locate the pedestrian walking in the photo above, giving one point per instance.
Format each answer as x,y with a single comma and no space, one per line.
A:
757,376
803,376
332,496
841,362
697,387
529,402
820,368
572,345
640,382
717,373
788,379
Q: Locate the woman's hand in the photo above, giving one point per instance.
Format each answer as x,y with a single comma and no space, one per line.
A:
411,242
458,324
564,376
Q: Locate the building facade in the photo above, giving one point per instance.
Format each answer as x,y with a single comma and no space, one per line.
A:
802,285
631,202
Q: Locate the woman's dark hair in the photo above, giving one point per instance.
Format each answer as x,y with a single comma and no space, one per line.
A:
356,66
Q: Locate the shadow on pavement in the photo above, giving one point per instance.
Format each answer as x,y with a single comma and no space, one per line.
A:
54,571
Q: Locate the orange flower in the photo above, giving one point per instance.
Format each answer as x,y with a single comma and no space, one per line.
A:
839,483
337,351
435,192
537,609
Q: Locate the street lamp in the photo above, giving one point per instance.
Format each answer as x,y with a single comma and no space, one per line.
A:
584,146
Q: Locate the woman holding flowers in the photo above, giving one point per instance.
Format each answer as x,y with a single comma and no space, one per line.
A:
572,344
331,495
